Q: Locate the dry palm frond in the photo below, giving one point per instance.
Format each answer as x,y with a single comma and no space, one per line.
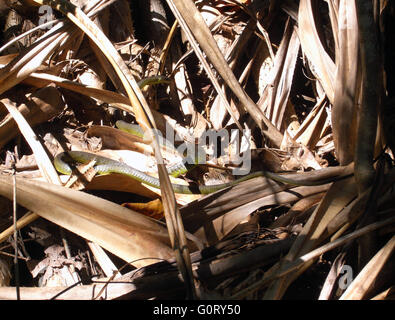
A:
347,81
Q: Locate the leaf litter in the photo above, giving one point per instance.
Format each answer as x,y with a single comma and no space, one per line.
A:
291,77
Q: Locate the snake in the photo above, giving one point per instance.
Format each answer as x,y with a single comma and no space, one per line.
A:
105,165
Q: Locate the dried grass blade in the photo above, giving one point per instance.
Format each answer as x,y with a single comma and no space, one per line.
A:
344,116
313,48
110,97
333,6
282,75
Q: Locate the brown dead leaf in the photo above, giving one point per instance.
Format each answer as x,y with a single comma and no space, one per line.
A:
152,209
323,66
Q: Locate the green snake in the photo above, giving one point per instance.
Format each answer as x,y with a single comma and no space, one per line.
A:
105,165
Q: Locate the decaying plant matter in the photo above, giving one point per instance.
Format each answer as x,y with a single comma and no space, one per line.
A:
308,86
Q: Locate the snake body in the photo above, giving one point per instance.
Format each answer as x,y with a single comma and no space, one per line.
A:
105,165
